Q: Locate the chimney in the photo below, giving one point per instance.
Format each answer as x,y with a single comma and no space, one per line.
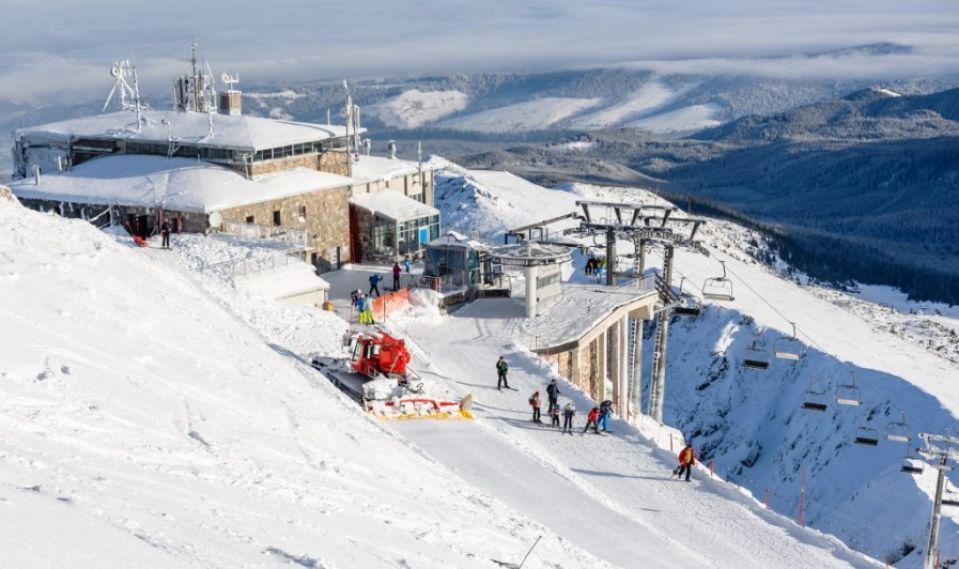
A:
36,174
391,149
231,102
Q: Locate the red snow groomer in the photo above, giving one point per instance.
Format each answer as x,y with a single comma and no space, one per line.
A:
378,376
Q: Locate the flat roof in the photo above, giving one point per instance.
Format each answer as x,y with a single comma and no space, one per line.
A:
239,132
180,184
393,205
374,168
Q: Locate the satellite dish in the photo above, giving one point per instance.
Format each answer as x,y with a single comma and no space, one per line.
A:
215,219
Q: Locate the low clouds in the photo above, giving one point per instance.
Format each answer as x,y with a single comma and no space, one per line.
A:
61,49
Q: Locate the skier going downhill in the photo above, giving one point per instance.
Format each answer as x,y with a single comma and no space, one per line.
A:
687,459
605,410
501,368
591,420
568,413
534,402
552,390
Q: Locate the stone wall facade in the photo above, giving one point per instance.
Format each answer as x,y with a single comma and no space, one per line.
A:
191,222
324,214
331,161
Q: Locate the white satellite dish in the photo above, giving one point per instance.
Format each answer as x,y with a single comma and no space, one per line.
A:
215,219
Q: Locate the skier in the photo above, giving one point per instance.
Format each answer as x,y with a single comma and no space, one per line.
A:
375,284
368,311
605,410
687,458
501,368
554,415
165,232
591,419
355,297
396,276
534,402
552,390
568,412
360,307
407,263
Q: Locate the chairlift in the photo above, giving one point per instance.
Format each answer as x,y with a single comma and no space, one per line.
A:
912,463
789,347
757,357
866,436
815,398
688,305
719,288
849,393
899,431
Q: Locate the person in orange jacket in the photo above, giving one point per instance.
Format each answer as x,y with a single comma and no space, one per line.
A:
534,402
687,458
591,420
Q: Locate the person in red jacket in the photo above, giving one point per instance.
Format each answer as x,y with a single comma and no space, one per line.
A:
591,420
687,458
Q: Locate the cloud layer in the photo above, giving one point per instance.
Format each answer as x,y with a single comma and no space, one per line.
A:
59,48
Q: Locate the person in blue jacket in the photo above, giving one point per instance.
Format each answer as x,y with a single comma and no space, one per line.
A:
374,284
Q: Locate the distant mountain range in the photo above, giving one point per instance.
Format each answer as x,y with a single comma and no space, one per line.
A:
864,187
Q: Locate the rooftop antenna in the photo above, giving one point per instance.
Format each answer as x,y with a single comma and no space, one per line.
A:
419,155
130,100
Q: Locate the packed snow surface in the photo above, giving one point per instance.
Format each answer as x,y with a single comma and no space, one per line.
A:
415,108
180,184
375,168
394,205
146,424
530,115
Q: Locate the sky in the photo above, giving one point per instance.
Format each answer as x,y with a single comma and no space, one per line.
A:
57,49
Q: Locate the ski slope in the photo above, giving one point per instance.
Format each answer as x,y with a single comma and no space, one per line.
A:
415,108
647,99
537,114
611,494
152,415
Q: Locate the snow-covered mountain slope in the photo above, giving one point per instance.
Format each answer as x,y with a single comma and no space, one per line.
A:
538,114
144,424
415,108
750,421
649,97
612,494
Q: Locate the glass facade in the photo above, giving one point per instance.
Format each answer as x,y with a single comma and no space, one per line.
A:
404,238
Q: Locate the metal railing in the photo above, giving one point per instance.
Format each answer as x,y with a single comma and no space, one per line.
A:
249,266
296,237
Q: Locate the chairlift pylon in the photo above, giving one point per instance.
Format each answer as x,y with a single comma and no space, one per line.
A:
815,398
719,288
688,305
789,347
849,393
899,431
756,357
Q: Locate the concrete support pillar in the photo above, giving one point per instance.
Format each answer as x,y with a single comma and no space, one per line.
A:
622,376
574,360
600,391
615,371
636,367
530,274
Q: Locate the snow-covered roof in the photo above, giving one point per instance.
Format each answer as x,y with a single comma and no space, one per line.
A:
180,184
457,239
373,168
394,205
241,132
284,282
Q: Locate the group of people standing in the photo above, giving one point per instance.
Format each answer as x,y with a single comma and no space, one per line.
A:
597,419
595,265
363,304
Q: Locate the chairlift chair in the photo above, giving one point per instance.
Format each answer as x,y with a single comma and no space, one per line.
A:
912,463
789,347
814,398
688,305
866,436
756,356
849,393
719,288
899,431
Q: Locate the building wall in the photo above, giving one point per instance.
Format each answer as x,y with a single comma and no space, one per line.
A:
409,185
326,221
335,163
331,161
192,222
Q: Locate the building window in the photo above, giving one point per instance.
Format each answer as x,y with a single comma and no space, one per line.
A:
302,213
250,219
276,217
